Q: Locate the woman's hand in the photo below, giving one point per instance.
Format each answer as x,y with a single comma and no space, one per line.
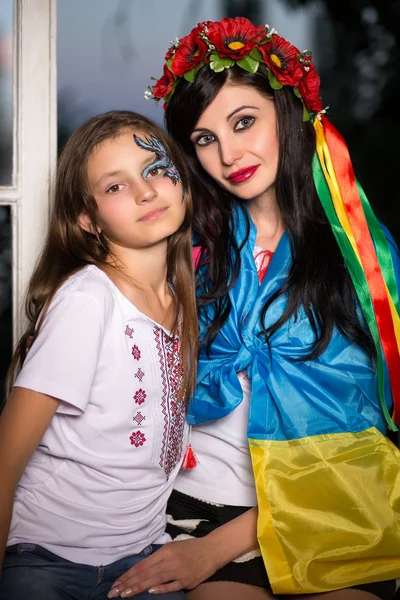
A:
186,564
176,566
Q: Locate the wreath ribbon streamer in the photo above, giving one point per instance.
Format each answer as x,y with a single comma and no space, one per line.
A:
365,251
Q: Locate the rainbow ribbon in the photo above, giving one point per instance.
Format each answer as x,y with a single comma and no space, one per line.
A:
365,250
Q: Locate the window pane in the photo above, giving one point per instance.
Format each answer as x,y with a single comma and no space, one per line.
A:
5,295
107,52
6,93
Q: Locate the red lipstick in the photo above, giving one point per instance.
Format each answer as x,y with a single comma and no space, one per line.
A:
243,174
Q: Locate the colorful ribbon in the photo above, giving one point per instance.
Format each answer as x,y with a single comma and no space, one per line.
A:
365,251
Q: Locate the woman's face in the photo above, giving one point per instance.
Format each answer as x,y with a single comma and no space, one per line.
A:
236,141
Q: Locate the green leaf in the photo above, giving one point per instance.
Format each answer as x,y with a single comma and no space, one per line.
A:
296,92
227,62
256,54
306,113
169,63
190,75
248,64
273,82
217,65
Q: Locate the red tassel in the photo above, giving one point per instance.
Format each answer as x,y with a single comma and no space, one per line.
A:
190,460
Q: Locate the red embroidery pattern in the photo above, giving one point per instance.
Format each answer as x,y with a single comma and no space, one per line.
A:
173,411
136,352
140,396
137,438
140,374
139,418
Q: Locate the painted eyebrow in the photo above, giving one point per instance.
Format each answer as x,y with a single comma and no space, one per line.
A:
233,113
145,163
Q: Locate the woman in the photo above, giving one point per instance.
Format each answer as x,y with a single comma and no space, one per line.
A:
298,309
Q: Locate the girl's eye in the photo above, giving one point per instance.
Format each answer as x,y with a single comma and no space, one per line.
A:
244,123
205,140
113,189
155,171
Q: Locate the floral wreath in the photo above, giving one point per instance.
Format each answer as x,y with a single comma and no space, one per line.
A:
229,42
364,247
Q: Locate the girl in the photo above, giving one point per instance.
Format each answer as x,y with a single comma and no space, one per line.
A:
93,432
299,319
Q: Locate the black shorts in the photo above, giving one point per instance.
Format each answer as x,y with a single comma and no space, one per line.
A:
249,570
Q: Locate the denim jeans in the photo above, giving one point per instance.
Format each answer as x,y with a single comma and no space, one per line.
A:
31,572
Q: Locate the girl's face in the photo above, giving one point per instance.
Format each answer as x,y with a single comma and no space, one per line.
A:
137,189
236,141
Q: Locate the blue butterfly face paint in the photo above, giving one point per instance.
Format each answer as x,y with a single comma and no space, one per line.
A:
162,160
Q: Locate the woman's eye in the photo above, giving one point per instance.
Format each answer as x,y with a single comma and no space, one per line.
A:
113,189
205,140
244,123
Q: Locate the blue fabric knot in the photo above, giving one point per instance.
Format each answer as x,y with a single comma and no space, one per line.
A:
246,354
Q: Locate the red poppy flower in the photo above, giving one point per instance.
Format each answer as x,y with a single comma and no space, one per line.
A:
170,53
262,33
191,52
233,38
309,88
163,86
281,58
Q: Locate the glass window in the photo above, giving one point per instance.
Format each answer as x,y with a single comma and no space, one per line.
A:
5,295
6,92
107,53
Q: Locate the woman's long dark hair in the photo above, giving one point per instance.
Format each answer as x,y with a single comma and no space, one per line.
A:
68,247
318,278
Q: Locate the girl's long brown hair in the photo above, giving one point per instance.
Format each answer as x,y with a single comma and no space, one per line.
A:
68,247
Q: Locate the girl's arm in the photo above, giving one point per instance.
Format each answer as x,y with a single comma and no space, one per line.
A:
24,420
186,564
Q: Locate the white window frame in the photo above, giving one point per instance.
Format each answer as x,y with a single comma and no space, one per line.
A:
34,140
